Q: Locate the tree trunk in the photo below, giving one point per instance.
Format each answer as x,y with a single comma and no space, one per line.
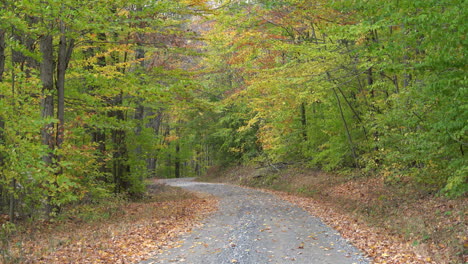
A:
304,121
139,115
2,53
348,134
47,102
64,55
120,167
177,160
155,124
197,163
167,132
370,81
140,110
98,136
2,70
2,118
354,111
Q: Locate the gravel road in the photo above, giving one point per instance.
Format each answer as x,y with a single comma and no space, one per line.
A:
253,227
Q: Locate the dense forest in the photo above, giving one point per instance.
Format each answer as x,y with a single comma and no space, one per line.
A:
97,96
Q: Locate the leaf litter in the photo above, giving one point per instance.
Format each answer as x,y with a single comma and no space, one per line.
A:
374,241
137,232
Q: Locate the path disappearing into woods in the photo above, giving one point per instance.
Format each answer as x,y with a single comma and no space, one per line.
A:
253,227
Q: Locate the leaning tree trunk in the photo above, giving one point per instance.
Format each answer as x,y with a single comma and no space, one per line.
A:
348,134
345,124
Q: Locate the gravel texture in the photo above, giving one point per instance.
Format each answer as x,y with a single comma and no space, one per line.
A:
253,227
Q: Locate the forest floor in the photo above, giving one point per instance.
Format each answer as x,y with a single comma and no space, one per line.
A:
390,223
118,231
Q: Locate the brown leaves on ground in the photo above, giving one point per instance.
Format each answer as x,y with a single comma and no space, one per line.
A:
390,223
373,241
387,244
139,230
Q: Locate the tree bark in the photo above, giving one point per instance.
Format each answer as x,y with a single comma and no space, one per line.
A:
2,118
47,102
120,168
140,109
304,121
2,54
177,160
197,163
155,124
98,136
2,70
64,54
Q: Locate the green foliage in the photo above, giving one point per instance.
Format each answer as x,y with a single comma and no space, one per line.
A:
379,86
237,142
124,73
383,84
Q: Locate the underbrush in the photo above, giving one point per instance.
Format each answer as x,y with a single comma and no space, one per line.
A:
115,230
431,225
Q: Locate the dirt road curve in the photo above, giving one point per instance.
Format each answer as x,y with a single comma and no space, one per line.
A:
252,227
